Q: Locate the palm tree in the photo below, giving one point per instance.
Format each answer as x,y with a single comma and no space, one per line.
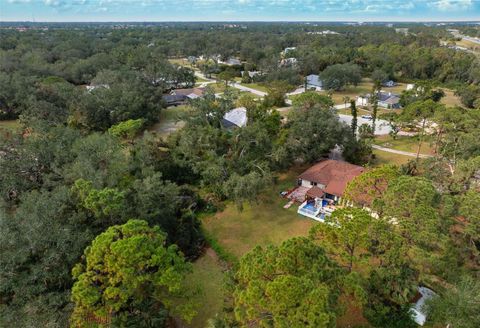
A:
346,100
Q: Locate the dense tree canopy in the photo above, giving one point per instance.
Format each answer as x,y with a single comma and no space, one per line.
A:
292,285
129,278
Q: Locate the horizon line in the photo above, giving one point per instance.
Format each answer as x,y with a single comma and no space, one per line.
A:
246,21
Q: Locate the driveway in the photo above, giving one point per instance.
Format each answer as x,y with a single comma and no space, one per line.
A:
400,152
244,88
381,126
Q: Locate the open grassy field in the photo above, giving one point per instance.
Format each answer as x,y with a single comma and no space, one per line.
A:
170,120
450,99
347,111
8,127
405,143
469,45
352,91
256,86
179,61
383,157
208,275
259,224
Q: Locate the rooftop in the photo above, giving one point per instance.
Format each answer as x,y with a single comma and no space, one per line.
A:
333,174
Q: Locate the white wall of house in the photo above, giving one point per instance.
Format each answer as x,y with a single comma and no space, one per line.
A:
309,184
362,101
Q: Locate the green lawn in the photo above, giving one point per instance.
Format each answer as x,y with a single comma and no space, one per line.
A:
8,127
383,157
405,143
360,111
259,224
170,120
208,275
450,99
199,79
352,91
256,86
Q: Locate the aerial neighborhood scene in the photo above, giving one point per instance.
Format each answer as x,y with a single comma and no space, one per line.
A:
240,163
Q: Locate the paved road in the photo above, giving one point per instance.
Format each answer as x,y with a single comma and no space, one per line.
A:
400,152
244,88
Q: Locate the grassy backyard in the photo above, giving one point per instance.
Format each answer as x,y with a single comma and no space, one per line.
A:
256,86
450,98
170,120
352,91
208,275
259,224
405,143
383,157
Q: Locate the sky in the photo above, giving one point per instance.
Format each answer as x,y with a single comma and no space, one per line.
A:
238,10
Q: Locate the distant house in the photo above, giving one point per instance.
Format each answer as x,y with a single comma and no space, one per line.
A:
410,86
288,49
402,30
326,32
191,93
321,187
313,81
181,96
386,100
288,62
236,118
389,84
174,100
233,62
252,74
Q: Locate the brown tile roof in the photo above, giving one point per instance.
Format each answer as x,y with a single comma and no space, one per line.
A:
315,192
334,175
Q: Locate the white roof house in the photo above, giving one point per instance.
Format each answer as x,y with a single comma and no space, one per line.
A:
418,312
237,117
314,81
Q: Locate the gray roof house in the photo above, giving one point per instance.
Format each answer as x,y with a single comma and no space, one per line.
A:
236,118
313,81
386,100
233,62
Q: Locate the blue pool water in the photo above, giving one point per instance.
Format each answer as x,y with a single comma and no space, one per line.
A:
310,206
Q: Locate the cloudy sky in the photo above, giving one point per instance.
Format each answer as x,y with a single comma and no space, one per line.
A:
238,10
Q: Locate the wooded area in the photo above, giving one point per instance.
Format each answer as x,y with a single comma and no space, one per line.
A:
102,218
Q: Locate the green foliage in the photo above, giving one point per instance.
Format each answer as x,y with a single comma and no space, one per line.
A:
129,273
379,76
413,202
276,94
292,285
107,202
39,244
457,306
345,235
314,132
370,186
309,99
469,95
126,130
336,77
